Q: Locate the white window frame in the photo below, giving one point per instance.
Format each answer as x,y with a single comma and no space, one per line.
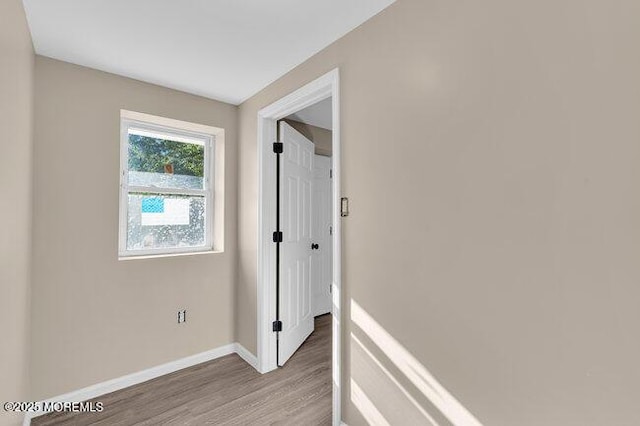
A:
173,132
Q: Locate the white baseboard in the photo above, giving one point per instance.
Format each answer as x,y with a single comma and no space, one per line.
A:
247,356
113,385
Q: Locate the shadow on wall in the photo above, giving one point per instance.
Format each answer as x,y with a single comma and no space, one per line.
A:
390,386
321,138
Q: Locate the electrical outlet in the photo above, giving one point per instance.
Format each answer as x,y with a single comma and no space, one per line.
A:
182,316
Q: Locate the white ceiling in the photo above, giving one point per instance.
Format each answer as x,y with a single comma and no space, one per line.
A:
222,49
318,115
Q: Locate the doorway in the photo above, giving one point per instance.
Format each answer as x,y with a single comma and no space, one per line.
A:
325,88
304,225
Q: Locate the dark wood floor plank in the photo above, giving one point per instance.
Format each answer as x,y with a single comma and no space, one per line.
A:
225,391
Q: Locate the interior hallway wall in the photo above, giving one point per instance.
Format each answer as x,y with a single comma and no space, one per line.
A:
94,317
16,144
490,152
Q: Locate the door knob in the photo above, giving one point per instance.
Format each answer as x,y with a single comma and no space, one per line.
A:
314,246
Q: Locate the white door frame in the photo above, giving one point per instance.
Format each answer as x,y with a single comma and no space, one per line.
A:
319,89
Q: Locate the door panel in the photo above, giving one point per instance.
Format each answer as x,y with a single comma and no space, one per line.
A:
321,235
296,193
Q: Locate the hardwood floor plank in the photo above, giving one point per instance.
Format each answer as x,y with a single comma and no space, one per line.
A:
225,391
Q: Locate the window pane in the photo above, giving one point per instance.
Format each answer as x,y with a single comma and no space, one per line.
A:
165,163
165,221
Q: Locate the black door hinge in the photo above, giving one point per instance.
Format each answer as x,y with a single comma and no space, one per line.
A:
277,237
277,326
278,147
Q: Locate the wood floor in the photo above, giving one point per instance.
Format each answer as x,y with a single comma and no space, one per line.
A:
225,391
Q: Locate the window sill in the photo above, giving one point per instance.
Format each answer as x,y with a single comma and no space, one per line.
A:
159,255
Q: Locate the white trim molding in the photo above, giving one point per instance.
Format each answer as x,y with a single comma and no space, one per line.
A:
132,379
322,88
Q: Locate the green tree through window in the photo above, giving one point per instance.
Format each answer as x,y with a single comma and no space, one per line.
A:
148,154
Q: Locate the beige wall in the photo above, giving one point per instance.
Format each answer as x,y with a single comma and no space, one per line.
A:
491,154
320,137
94,317
16,121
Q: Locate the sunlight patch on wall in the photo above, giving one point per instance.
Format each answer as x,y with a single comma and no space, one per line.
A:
414,371
385,391
366,407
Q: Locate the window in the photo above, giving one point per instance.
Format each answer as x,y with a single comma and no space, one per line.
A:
166,188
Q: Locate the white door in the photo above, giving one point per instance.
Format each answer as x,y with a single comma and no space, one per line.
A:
296,190
321,260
